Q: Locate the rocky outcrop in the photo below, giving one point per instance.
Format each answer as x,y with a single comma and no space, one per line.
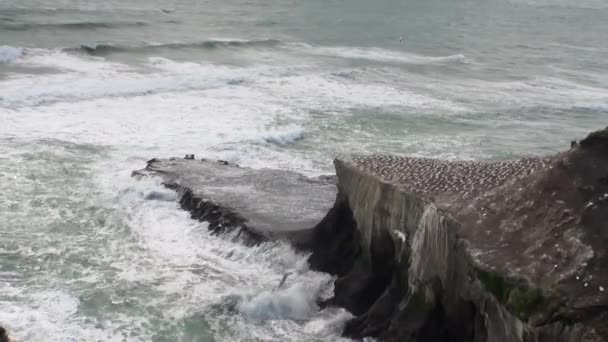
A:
4,335
258,204
430,250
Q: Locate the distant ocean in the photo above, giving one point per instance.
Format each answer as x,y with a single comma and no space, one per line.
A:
90,90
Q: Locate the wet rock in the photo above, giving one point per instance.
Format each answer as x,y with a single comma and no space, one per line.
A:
260,204
4,335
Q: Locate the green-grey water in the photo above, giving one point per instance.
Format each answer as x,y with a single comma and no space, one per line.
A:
90,90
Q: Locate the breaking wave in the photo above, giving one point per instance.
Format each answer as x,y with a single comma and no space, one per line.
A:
297,302
384,55
97,79
283,136
9,53
105,49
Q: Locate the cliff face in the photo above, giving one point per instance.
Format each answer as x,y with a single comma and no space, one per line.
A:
429,250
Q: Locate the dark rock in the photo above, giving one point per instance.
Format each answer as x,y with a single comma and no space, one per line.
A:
188,156
4,335
597,140
336,241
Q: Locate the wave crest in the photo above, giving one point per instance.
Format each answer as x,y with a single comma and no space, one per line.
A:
384,55
283,136
297,302
105,49
9,54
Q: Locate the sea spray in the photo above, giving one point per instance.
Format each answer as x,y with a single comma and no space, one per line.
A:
296,302
283,135
9,54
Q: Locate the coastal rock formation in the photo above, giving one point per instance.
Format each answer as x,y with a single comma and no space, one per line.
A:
260,204
431,250
4,335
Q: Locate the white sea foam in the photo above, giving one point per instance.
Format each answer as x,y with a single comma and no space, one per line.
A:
335,93
549,92
180,259
94,78
9,54
49,315
597,107
78,64
282,135
158,265
296,302
384,55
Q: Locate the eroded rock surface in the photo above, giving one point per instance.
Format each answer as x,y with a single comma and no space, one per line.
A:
262,204
430,250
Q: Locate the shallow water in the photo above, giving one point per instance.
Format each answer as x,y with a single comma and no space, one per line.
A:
89,91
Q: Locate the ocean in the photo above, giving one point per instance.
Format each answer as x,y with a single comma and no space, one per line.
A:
90,90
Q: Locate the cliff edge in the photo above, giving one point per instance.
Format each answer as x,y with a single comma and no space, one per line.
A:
432,250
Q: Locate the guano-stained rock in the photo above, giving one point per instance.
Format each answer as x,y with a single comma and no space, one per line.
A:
431,250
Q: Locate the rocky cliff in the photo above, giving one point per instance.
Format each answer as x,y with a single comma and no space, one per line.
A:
431,250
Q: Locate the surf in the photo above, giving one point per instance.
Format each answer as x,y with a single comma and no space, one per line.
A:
383,55
9,53
103,49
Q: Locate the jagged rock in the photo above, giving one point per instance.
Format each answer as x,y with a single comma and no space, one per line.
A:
262,204
431,250
4,335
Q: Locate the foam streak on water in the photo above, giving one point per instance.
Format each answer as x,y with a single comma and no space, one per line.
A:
9,53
